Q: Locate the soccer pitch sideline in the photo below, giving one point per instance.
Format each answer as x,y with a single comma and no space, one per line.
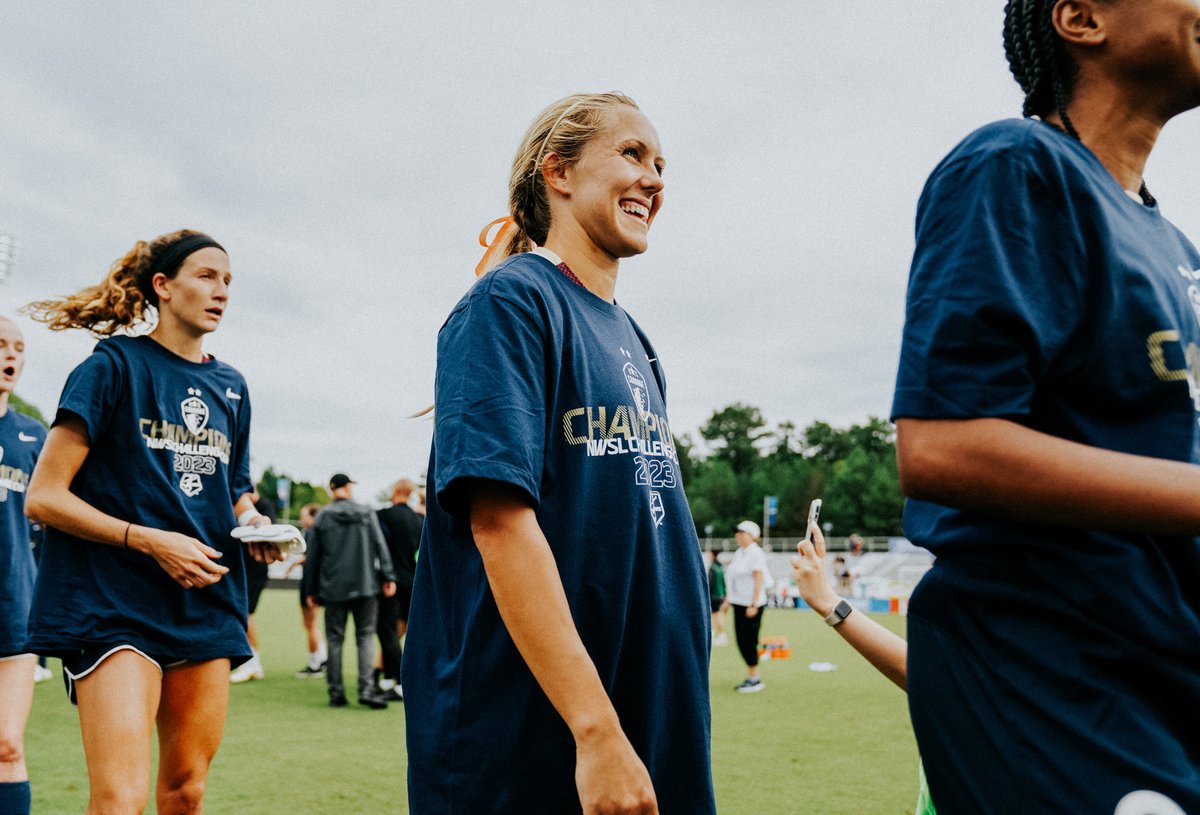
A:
819,743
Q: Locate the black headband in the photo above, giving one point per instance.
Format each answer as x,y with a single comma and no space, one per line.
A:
174,255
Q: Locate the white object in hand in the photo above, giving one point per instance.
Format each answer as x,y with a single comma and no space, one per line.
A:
284,537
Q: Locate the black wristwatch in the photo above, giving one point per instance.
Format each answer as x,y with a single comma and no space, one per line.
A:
840,612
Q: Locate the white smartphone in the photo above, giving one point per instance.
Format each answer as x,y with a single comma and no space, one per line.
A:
814,514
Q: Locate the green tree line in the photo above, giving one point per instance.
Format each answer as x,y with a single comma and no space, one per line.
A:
853,470
299,493
21,406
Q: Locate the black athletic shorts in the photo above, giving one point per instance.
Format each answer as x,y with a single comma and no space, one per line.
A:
78,664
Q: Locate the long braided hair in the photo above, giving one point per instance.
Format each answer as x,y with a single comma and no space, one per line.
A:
1041,65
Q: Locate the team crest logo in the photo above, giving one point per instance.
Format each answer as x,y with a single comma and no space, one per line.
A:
195,412
191,485
657,510
637,388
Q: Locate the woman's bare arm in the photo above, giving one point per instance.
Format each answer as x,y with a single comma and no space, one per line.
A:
1001,468
50,501
524,579
879,646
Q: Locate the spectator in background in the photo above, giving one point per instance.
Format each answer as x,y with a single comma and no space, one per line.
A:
746,587
348,563
883,649
842,572
420,507
317,655
716,597
256,581
402,531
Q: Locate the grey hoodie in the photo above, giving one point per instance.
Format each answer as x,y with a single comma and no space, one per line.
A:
347,555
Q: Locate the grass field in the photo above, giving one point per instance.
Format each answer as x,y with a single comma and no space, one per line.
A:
820,743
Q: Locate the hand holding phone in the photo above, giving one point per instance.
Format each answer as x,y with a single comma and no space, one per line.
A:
814,514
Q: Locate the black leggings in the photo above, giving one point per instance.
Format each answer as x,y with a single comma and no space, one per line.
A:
389,643
746,630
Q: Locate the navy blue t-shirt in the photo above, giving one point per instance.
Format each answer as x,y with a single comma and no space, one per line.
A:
21,440
1042,293
169,450
543,385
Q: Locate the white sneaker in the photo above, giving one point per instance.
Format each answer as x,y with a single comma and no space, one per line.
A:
41,674
252,669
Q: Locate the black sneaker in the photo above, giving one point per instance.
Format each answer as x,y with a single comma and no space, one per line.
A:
395,694
309,672
338,701
372,701
751,686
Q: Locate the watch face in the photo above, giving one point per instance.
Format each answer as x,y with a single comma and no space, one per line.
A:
840,612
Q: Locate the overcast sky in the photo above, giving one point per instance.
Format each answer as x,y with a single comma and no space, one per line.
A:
347,155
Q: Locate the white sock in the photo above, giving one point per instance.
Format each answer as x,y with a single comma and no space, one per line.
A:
322,654
314,660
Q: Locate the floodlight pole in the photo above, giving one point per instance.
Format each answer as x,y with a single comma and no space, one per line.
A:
8,251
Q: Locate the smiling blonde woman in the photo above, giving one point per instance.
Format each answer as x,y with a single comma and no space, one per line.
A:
557,654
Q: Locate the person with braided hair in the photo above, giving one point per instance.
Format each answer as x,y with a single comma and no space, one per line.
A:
558,639
1048,431
141,591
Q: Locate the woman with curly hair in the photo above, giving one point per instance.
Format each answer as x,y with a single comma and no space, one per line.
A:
141,591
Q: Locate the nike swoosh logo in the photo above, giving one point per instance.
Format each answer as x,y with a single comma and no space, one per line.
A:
23,437
229,394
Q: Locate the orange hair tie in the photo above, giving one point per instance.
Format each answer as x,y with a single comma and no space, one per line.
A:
496,245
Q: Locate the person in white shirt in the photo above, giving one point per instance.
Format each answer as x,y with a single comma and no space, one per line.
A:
746,592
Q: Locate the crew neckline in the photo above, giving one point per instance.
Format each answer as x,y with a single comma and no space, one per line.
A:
208,358
588,296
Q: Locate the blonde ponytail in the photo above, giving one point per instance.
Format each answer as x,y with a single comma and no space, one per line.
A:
563,130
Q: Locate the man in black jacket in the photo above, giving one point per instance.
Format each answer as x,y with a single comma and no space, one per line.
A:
346,566
402,531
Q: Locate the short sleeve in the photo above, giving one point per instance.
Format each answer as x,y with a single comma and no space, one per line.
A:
997,289
240,482
92,391
490,396
759,562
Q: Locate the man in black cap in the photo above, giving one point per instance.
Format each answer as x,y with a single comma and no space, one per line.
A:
402,531
346,567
